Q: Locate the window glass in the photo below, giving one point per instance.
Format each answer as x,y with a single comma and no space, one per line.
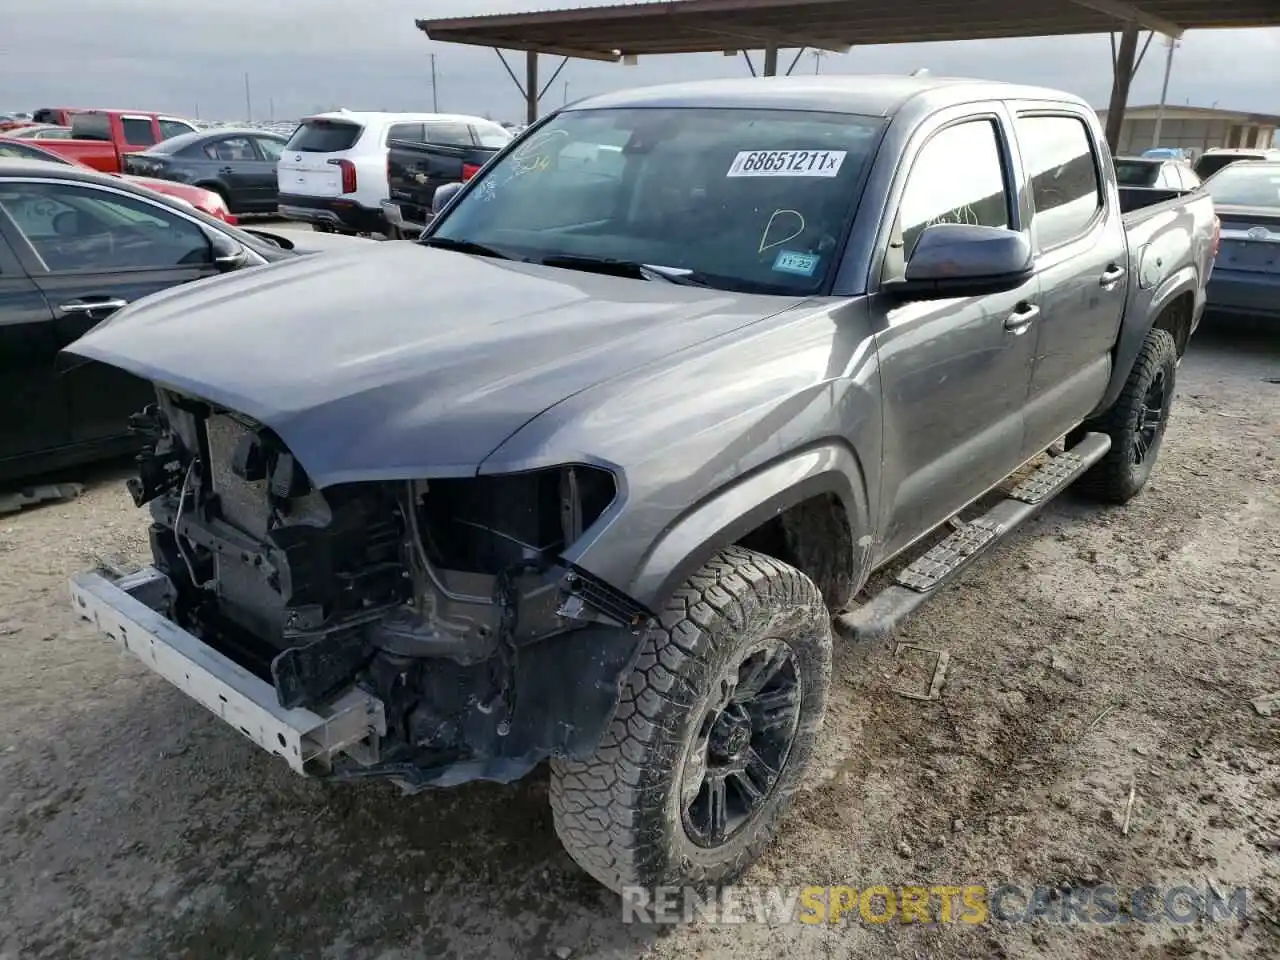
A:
230,150
491,135
137,131
16,150
957,177
90,126
405,131
1246,185
270,147
74,227
324,136
1065,191
174,128
746,199
455,134
1136,173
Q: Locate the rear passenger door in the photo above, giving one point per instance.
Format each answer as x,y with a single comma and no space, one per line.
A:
33,406
244,172
90,250
1082,263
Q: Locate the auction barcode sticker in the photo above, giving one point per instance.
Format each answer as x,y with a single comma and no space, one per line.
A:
786,163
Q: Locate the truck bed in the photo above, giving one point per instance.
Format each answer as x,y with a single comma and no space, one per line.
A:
416,170
1137,203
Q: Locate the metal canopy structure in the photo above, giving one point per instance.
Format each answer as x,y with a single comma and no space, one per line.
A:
621,33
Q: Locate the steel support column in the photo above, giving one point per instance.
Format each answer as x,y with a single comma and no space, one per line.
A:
1123,67
771,60
531,87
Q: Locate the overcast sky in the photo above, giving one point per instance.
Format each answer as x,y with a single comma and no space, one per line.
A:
304,55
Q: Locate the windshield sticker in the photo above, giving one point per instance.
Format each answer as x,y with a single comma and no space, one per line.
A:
787,163
792,261
780,221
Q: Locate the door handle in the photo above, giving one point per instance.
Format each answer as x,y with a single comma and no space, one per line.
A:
1018,321
1110,277
92,306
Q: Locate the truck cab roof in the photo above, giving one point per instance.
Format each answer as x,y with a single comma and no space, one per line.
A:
866,95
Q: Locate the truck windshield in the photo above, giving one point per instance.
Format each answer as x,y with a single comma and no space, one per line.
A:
743,200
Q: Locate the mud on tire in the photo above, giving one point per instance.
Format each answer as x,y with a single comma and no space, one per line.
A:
625,815
1135,422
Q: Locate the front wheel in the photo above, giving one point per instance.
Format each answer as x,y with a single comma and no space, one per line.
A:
1135,423
712,734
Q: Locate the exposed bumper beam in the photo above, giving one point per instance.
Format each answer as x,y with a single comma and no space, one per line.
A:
1132,14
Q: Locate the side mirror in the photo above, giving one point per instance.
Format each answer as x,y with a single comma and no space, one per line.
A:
228,254
962,260
440,199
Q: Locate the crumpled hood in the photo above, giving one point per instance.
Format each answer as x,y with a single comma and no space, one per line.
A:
400,361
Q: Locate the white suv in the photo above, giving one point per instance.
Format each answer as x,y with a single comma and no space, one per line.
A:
333,171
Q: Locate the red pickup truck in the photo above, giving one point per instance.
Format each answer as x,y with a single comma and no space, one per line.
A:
100,137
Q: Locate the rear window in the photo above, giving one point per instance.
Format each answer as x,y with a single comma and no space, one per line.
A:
1211,163
91,126
450,133
491,135
405,131
1136,173
324,136
174,128
175,145
138,131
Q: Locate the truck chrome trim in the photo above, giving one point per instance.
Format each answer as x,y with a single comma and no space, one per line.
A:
308,741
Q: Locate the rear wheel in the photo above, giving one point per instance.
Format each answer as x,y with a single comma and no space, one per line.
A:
1135,423
713,732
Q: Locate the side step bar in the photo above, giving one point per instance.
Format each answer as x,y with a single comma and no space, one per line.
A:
875,621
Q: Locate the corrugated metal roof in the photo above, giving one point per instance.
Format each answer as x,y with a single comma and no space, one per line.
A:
699,26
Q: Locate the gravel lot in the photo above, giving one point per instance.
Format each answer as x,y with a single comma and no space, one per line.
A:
1099,648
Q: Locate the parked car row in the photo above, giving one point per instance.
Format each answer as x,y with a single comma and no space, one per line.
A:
76,245
334,172
336,169
204,200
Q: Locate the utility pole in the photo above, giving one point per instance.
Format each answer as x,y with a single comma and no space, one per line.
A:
817,61
566,94
435,98
1164,90
271,106
248,100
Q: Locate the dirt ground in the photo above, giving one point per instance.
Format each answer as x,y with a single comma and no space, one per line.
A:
1100,648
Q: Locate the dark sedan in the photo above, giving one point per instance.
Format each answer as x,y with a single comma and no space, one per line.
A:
1246,277
238,164
75,246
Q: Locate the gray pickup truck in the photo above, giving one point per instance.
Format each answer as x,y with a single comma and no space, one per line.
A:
594,470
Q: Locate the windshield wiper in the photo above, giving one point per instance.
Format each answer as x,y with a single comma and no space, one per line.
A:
464,246
626,268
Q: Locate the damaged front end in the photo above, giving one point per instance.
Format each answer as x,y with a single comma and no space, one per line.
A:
446,599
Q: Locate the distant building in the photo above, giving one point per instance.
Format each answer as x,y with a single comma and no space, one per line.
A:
1194,129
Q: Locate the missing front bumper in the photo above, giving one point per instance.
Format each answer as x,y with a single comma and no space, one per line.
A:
352,724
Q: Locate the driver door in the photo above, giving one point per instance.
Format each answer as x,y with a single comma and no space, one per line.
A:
955,372
91,250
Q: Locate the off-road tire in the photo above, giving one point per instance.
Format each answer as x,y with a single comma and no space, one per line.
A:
619,814
1119,476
